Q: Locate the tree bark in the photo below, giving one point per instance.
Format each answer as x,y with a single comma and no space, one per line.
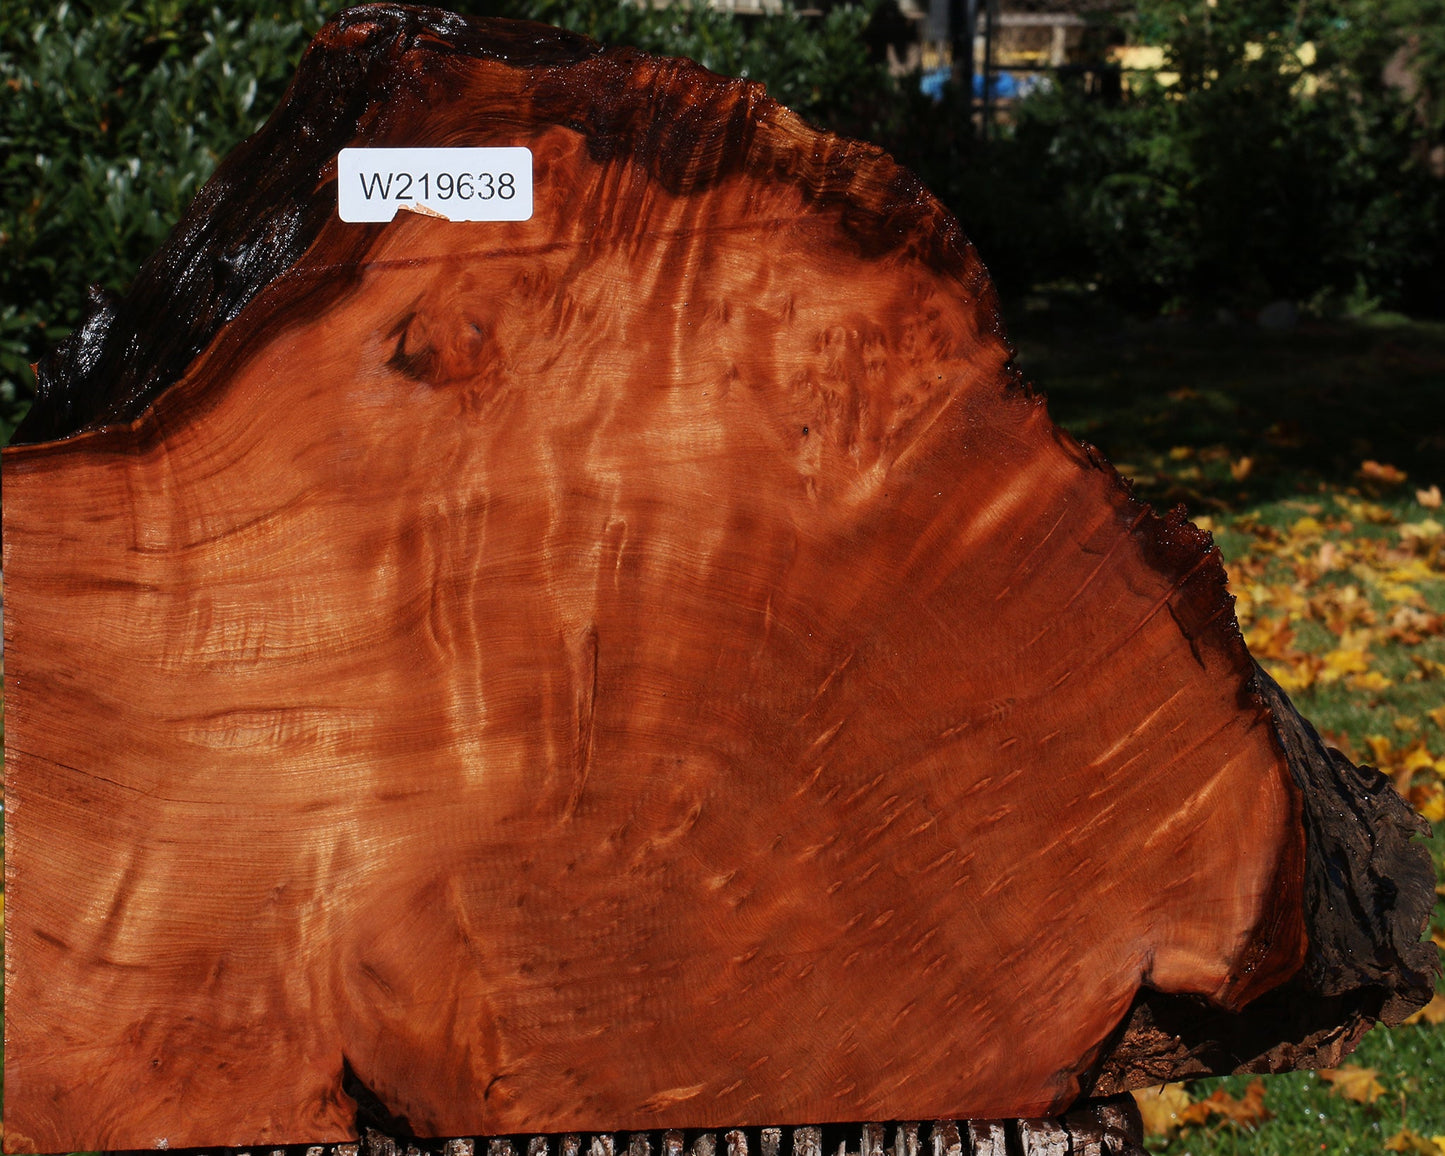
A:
654,665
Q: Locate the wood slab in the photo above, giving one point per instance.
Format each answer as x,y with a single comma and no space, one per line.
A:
654,665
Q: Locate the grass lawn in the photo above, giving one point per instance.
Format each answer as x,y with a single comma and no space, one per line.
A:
1339,572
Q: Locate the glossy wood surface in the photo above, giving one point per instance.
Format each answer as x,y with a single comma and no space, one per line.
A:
648,666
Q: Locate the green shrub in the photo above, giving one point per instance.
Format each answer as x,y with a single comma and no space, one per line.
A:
819,67
115,115
1255,176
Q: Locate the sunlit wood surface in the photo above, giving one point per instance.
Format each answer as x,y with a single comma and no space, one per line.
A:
647,666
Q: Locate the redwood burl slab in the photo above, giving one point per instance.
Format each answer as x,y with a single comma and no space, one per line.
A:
651,665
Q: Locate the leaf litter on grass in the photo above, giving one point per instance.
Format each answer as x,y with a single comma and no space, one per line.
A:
1269,441
1406,1140
1354,1082
1340,594
1170,1107
1342,599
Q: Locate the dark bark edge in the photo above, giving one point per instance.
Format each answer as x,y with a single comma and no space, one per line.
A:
257,214
1368,895
363,76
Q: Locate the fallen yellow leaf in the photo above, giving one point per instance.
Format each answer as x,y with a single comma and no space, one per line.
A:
1354,1083
1429,498
1412,625
1426,531
1270,638
1413,1143
1437,716
1432,1013
1341,608
1370,680
1433,808
1365,511
1293,676
1248,1110
1415,570
1418,758
1160,1107
1381,472
1292,600
1340,662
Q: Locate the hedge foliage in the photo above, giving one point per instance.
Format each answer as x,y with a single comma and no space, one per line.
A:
114,115
1262,173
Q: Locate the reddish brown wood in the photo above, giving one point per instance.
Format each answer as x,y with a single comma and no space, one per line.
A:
650,666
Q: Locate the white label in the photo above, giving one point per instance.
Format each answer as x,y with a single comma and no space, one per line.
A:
463,184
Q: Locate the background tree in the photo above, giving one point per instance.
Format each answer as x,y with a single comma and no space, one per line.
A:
1296,152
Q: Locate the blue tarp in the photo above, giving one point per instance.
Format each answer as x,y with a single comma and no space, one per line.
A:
1005,86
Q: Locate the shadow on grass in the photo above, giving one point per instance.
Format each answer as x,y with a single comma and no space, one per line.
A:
1250,415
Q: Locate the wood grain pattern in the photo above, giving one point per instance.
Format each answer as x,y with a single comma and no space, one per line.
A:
649,666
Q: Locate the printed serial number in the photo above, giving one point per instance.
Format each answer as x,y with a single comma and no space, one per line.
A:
460,184
448,185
